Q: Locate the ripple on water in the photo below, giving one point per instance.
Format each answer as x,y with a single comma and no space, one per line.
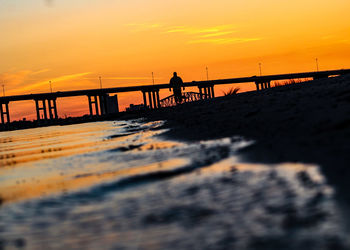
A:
121,185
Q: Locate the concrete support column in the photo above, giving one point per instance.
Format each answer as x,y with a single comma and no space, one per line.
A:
37,109
55,108
44,109
4,110
50,108
200,92
205,93
144,98
90,105
150,100
7,112
96,105
2,114
158,100
101,101
257,86
103,104
154,99
208,91
93,100
212,92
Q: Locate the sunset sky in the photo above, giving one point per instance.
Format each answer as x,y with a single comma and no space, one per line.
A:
72,43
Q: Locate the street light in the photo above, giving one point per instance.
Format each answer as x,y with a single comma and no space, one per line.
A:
260,69
100,82
50,86
3,89
317,64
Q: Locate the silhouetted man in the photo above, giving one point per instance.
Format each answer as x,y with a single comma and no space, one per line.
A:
176,83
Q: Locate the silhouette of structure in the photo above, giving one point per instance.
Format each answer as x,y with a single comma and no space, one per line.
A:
98,99
186,97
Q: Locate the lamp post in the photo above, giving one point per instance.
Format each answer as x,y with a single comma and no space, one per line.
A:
3,89
50,86
100,82
260,69
206,68
317,64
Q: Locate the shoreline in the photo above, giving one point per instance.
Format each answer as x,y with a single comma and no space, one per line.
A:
305,122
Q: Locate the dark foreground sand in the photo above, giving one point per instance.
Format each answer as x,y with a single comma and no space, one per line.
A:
207,199
306,122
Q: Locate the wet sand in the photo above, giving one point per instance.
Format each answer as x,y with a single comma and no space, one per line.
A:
305,122
140,186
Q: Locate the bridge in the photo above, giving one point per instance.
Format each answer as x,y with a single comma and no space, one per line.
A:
45,103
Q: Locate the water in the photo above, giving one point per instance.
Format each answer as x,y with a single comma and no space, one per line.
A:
123,185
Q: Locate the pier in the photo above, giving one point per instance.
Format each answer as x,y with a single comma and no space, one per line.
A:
98,99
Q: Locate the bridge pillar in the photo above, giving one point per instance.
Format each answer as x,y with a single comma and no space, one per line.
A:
206,91
263,85
93,100
150,100
51,108
144,99
103,104
39,108
200,92
158,100
4,110
155,103
153,98
257,86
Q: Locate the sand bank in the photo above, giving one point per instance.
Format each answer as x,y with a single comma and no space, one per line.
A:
305,122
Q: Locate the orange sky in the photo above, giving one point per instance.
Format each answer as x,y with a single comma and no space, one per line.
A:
71,43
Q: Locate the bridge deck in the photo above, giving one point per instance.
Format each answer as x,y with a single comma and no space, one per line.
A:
94,92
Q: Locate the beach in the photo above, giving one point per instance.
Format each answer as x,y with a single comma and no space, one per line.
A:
256,170
304,122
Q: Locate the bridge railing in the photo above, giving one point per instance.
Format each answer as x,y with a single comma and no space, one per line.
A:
186,97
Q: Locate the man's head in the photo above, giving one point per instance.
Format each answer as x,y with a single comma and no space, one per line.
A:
175,74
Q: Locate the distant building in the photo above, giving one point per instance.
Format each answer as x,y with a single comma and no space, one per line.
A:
137,107
112,104
108,104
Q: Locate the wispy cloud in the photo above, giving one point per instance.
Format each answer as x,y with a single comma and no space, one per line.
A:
222,34
54,80
224,40
200,30
124,78
40,71
22,82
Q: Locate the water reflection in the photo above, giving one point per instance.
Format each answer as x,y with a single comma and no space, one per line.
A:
121,185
